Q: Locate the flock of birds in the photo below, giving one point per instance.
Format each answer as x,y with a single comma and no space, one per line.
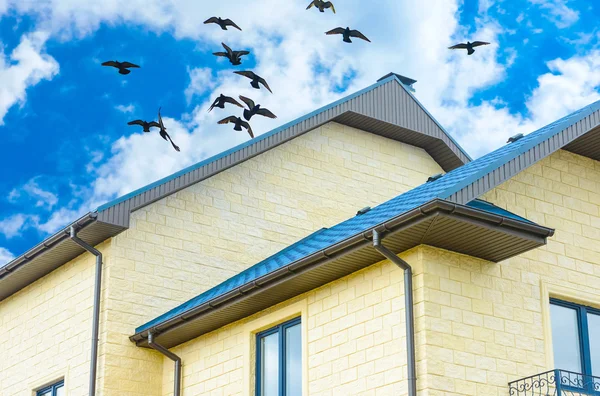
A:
235,58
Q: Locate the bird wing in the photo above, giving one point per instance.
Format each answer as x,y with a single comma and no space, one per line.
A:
249,102
248,127
243,52
246,73
129,64
356,33
338,30
160,121
459,46
329,4
479,43
231,100
225,54
212,20
136,122
264,82
266,113
154,124
312,3
110,63
227,120
229,22
229,51
214,103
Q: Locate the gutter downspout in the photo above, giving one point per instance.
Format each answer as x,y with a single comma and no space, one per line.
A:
173,357
96,309
408,309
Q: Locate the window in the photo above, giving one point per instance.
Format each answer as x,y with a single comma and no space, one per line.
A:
57,389
575,337
279,360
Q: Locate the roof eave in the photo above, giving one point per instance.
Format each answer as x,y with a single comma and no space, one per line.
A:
47,244
533,232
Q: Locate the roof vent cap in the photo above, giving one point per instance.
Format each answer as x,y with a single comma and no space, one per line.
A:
407,82
435,177
363,210
513,139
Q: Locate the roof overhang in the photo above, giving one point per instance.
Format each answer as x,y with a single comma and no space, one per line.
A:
587,145
51,253
438,223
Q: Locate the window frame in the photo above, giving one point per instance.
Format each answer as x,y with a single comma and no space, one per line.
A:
584,337
280,329
53,388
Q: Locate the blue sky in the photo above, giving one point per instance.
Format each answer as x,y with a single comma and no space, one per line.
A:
66,146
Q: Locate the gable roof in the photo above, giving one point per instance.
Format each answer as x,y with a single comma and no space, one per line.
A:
386,108
461,186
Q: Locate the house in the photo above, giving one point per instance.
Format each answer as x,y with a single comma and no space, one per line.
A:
281,267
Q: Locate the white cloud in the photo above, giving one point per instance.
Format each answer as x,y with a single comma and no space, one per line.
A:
59,219
130,108
570,85
5,256
32,190
13,226
558,12
201,81
26,66
306,70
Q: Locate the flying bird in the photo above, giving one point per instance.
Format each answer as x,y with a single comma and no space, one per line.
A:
235,57
122,66
239,123
321,5
469,46
222,22
221,100
163,132
255,79
144,124
347,33
254,109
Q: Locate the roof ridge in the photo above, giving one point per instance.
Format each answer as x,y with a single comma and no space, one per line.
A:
521,146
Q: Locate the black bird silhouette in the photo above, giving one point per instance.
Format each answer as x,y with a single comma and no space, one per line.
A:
254,109
222,22
163,131
221,100
146,125
239,123
469,46
255,79
235,57
122,66
348,33
321,5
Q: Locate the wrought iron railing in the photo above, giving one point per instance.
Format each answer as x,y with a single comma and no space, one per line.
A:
556,383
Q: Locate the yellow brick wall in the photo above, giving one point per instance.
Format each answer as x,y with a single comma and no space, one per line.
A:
46,330
353,336
485,324
180,246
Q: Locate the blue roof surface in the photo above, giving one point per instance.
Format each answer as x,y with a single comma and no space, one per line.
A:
491,208
441,188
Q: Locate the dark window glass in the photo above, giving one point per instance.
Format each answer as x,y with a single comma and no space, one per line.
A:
565,338
279,360
575,337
